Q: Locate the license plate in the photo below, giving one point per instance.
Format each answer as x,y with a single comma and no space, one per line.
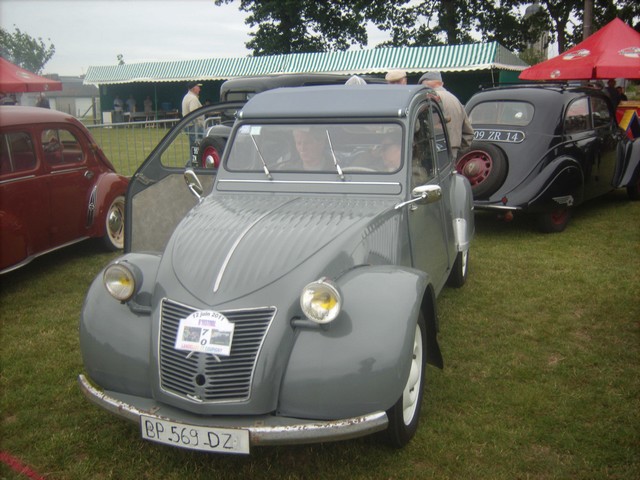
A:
193,437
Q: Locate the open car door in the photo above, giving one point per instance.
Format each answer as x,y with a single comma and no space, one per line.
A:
158,197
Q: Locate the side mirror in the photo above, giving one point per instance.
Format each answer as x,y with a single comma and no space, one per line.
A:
422,195
193,183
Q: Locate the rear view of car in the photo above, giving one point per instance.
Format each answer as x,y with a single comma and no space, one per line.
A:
56,185
544,149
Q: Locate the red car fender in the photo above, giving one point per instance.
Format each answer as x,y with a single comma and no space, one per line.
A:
109,186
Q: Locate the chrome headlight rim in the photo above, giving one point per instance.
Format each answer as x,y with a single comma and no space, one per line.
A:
120,280
321,301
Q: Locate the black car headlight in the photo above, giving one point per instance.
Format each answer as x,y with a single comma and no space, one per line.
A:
321,301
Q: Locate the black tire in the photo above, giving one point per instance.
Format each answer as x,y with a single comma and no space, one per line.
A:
555,221
113,238
633,189
403,422
458,276
210,152
485,166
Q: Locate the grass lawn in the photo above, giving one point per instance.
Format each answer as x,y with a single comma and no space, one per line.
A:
541,378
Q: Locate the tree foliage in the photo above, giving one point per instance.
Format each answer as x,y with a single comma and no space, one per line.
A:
25,51
291,26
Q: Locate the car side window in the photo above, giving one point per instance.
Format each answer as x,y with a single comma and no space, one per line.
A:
422,162
17,153
577,117
442,143
61,147
600,112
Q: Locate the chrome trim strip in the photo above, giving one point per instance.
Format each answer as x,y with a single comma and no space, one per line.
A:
287,431
36,255
308,182
11,180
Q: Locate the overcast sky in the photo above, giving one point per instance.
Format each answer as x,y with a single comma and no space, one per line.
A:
93,32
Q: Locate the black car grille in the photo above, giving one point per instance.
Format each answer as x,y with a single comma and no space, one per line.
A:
205,377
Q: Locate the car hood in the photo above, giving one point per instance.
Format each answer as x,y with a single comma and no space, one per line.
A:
231,245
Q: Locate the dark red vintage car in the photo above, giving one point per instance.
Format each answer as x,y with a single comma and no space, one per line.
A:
56,186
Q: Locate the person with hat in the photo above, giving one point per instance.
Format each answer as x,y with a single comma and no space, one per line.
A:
396,77
458,125
191,102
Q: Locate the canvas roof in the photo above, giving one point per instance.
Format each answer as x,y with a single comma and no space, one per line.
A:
447,58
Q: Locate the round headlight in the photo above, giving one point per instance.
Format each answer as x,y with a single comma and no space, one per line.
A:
119,281
321,301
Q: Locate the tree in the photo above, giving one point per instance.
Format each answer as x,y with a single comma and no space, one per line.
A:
294,26
25,51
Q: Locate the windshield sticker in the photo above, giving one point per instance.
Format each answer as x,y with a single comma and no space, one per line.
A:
205,331
506,136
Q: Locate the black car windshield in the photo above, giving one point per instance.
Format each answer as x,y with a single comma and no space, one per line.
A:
502,113
348,148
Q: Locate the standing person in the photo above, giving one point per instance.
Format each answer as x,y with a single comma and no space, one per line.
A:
148,110
191,102
621,94
42,102
611,90
458,126
131,106
396,77
118,115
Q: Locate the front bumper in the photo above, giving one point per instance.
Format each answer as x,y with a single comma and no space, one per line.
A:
263,429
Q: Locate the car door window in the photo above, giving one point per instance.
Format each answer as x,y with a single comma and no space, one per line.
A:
17,153
442,143
61,147
600,112
577,116
422,162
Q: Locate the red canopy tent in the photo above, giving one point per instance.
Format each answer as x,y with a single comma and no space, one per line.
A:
14,79
611,52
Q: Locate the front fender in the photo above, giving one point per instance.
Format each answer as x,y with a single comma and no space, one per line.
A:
630,162
114,337
361,362
462,212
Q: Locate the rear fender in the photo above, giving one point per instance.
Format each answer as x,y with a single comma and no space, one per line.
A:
360,362
560,182
108,187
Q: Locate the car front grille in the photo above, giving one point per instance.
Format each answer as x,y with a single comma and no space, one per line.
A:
204,377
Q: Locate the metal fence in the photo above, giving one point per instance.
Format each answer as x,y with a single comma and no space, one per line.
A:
127,144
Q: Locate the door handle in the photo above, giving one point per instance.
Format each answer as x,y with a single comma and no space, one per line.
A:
88,174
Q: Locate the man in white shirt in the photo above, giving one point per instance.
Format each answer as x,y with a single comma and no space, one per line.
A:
191,102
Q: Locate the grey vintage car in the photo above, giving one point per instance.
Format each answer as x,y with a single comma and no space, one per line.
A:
292,298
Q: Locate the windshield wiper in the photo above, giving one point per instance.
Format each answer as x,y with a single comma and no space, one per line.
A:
264,164
333,154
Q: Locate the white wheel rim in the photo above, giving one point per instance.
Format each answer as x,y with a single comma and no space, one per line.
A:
411,392
115,223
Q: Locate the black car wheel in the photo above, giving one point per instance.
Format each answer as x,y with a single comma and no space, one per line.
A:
210,152
405,414
458,276
633,189
554,221
485,166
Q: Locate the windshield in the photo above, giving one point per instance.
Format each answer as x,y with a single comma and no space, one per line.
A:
337,148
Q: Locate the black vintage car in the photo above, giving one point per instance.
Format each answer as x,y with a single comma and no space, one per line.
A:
544,149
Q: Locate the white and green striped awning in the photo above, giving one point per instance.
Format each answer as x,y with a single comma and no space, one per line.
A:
447,58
